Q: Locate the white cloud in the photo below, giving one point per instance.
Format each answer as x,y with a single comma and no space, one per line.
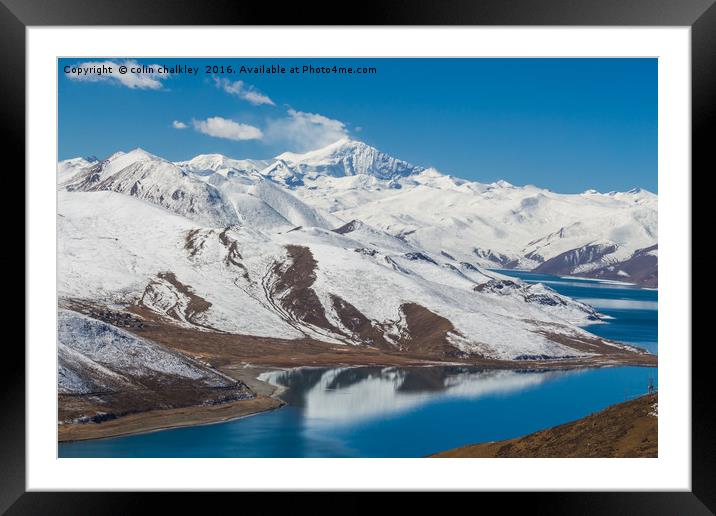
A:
176,124
137,76
306,131
223,128
244,91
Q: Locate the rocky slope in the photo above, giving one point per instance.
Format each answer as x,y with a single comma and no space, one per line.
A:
641,268
106,372
628,429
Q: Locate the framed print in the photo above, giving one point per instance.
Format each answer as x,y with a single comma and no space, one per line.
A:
443,249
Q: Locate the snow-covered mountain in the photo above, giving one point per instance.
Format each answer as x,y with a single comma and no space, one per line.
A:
344,246
641,268
347,157
496,225
148,177
208,164
359,287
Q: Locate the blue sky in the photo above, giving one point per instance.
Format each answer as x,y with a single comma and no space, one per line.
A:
563,124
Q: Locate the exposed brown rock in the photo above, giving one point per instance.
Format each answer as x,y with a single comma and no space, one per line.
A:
233,256
291,286
361,328
428,332
593,344
220,348
347,228
196,304
144,394
642,269
566,262
193,242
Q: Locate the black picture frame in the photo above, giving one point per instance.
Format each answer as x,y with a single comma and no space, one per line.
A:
700,15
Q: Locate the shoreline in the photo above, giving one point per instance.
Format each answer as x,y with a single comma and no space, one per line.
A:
267,399
628,429
585,277
166,419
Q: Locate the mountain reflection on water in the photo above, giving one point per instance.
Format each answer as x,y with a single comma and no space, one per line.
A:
389,412
361,393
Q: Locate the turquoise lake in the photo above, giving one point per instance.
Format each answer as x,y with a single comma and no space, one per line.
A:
416,411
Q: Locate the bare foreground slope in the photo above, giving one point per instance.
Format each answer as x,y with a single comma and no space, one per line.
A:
116,401
179,282
628,429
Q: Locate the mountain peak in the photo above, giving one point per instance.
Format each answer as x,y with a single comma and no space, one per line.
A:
136,154
348,157
502,184
338,146
213,156
212,161
139,152
208,164
633,193
346,141
635,190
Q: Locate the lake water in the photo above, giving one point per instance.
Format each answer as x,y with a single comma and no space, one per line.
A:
634,309
415,411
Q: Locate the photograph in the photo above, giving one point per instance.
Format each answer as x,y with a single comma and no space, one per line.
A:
379,257
294,251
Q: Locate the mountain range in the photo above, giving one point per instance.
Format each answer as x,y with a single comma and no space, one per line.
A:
494,225
338,249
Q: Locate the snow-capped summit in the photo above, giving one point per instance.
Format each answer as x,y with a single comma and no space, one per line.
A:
136,154
206,164
148,177
347,157
68,168
502,184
